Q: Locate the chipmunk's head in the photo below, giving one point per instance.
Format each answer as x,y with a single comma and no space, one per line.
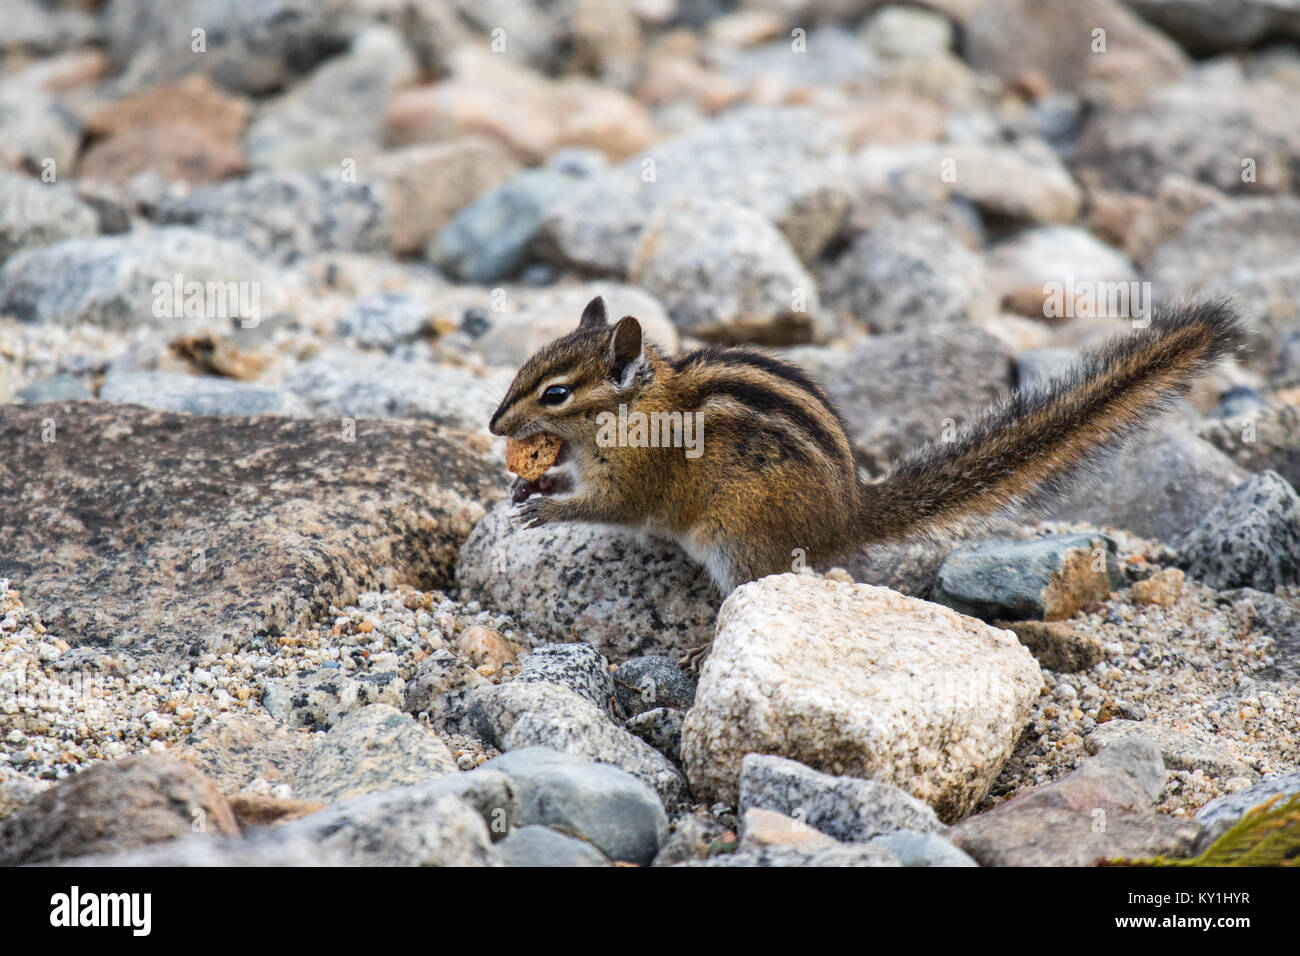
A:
564,386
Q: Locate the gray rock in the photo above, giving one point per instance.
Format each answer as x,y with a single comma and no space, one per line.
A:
386,319
111,280
1047,578
899,391
1180,751
489,240
1205,26
542,846
786,164
1201,128
1159,486
1035,367
385,502
652,681
62,387
913,848
289,215
724,271
861,855
513,716
1265,438
36,127
374,748
507,331
612,810
661,728
197,394
252,47
406,826
1061,259
624,595
440,687
336,113
342,382
1246,248
1251,538
1219,815
33,213
903,274
321,699
578,666
846,808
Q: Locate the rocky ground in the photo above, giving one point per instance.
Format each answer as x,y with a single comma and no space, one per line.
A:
266,269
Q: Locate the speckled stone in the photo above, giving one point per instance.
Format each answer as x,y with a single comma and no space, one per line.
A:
375,748
845,808
250,527
904,273
109,280
661,728
650,682
1274,438
284,216
405,826
780,162
33,213
624,595
578,666
236,749
515,716
319,700
856,680
723,270
1047,578
1251,538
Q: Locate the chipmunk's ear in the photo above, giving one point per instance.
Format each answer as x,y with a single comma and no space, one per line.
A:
593,316
624,349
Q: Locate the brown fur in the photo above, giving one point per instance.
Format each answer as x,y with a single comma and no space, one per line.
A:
777,482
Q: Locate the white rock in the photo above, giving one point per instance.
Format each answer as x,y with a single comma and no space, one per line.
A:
857,680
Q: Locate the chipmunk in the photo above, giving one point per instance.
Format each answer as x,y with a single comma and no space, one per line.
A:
775,470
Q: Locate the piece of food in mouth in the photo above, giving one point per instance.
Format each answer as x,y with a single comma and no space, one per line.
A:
529,458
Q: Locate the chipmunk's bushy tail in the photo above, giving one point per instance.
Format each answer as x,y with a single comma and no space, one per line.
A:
1035,439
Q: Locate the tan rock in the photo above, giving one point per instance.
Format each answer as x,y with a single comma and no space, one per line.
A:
256,810
1161,589
860,681
112,806
767,828
427,185
486,645
1056,645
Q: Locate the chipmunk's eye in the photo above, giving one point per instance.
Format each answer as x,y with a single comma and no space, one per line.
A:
554,394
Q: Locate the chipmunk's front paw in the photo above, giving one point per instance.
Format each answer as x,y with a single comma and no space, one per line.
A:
535,512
